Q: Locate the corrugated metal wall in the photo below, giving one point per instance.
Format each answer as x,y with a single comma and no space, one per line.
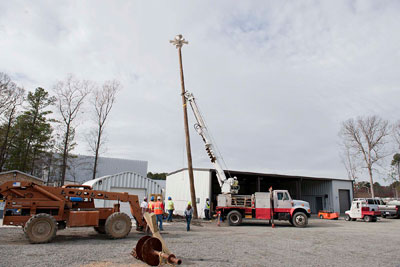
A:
127,180
310,190
178,188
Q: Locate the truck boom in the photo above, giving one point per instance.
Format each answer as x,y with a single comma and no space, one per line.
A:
228,185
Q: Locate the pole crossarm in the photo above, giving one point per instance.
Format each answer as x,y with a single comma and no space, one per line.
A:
179,41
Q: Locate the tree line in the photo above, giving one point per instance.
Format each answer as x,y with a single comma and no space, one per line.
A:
38,128
371,145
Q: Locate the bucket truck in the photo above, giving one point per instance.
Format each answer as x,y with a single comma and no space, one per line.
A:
276,204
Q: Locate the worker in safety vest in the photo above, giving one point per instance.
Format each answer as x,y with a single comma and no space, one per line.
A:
170,209
151,205
159,211
207,209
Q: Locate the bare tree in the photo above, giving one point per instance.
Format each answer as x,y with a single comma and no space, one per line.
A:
396,133
103,102
350,162
16,98
366,136
71,94
7,88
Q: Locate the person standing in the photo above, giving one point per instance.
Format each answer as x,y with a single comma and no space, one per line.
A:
158,211
188,215
144,205
207,209
170,209
151,205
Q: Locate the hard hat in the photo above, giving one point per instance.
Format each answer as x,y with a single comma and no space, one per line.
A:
152,198
190,203
145,198
158,198
169,198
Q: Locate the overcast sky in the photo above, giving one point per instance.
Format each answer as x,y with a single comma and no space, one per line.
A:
274,79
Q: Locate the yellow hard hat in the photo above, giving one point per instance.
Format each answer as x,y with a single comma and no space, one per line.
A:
190,203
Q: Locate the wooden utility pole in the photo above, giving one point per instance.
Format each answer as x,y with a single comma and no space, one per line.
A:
179,41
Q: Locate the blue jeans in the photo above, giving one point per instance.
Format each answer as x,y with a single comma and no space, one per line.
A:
169,219
188,219
159,221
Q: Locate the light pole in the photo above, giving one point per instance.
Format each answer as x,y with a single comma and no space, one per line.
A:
179,41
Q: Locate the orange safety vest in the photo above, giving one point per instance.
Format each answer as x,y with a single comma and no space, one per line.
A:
157,208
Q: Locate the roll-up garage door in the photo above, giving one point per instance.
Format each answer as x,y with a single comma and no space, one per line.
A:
344,200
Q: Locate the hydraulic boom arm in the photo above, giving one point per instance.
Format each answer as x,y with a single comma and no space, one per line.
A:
228,185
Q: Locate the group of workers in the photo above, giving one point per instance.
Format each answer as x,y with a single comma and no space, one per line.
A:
157,207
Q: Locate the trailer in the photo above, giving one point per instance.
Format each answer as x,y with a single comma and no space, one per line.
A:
42,210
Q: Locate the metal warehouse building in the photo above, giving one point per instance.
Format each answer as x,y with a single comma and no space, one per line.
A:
321,193
130,182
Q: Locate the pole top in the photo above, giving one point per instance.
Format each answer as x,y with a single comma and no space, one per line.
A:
179,41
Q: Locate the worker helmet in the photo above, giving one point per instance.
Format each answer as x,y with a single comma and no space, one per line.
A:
169,198
152,198
145,198
158,198
190,203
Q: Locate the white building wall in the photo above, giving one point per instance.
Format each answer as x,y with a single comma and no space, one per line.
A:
178,188
336,185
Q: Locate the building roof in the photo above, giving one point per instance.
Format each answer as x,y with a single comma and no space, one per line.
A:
23,173
265,174
81,167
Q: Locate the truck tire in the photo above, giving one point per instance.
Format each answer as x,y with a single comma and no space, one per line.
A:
300,219
383,215
40,228
234,218
118,225
321,216
367,218
347,217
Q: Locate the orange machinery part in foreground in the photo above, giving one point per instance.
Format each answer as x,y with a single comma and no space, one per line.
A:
70,205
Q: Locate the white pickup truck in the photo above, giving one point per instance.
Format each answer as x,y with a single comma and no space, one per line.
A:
360,209
390,209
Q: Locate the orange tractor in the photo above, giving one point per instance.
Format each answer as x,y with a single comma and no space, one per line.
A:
42,210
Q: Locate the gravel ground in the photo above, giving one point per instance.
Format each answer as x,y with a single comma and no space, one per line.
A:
322,243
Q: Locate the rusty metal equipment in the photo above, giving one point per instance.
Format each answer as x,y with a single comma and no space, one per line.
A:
42,210
149,249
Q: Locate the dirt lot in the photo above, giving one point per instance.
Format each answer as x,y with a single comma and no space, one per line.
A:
323,243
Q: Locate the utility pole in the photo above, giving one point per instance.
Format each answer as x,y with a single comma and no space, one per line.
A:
179,41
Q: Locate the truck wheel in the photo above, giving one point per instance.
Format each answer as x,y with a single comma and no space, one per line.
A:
300,219
234,218
383,216
321,217
347,217
40,228
118,225
367,218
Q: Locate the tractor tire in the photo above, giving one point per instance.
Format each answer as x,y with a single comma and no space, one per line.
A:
321,217
40,228
300,219
367,218
347,218
118,225
234,218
